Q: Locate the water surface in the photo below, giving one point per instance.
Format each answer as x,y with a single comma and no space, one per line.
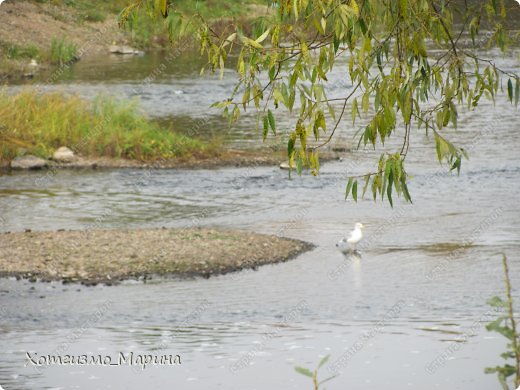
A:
437,261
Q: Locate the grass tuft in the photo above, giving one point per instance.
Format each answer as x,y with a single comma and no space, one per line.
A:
17,52
63,52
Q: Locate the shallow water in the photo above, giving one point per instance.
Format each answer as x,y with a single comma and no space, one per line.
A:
417,293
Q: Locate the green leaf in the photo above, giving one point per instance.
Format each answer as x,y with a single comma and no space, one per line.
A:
349,186
388,169
365,102
442,146
290,146
355,110
389,188
272,123
494,325
285,94
295,8
245,97
439,119
327,379
495,6
446,116
376,183
406,194
510,90
304,371
497,302
323,361
354,191
266,127
507,355
491,370
367,181
299,165
517,90
505,331
316,162
335,43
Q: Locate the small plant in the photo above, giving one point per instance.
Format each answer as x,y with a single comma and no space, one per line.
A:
63,52
314,374
506,326
15,52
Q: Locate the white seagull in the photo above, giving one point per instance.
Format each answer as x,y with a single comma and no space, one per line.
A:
347,245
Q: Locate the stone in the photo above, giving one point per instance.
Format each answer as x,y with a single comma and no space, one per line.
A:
285,165
64,155
28,162
123,49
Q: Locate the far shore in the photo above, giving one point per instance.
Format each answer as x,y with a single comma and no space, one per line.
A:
94,256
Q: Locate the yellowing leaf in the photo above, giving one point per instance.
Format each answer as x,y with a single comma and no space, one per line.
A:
253,43
232,37
304,49
355,7
323,23
162,5
262,37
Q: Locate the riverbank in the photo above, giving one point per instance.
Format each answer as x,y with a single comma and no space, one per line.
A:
29,28
90,27
110,256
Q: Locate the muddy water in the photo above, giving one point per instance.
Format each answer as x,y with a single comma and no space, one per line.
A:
408,313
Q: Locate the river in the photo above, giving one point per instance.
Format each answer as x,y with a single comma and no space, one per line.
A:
410,312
